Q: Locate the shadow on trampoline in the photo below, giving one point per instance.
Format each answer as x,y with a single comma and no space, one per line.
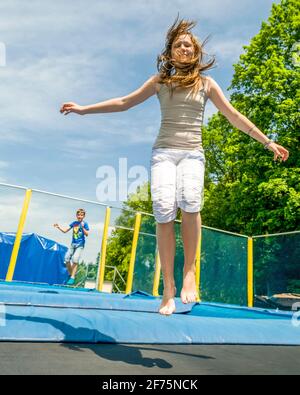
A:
130,354
109,349
120,353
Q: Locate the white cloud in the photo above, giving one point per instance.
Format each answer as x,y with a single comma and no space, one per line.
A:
83,148
3,164
9,134
104,12
34,90
228,49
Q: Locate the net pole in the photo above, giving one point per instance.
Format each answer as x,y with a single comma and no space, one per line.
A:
133,253
250,276
18,239
156,274
198,268
102,259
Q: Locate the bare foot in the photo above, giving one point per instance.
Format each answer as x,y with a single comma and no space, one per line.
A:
167,306
189,292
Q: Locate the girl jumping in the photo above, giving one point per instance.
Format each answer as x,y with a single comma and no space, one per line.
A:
178,159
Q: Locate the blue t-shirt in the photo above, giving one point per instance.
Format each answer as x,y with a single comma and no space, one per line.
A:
78,238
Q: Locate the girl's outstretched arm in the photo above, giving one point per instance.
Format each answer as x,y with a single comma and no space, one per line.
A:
241,122
117,104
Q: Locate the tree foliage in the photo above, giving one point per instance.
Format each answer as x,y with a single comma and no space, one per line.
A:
246,191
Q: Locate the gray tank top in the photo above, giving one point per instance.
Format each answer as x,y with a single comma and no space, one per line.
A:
181,118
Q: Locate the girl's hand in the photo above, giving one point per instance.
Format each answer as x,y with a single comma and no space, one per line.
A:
66,108
279,151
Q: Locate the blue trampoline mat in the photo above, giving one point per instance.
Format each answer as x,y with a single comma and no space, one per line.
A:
59,314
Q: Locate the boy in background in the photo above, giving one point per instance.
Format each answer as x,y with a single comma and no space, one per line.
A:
80,232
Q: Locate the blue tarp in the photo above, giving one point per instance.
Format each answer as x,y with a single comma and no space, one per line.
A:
36,313
40,260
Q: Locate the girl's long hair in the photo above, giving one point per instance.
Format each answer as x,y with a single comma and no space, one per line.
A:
190,71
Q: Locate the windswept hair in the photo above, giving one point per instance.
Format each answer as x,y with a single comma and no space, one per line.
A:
190,71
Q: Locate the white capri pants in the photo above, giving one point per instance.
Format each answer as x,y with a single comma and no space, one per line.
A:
177,180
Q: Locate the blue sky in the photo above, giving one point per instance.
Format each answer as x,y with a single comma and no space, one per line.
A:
67,51
88,52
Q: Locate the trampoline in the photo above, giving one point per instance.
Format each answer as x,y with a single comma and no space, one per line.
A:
42,313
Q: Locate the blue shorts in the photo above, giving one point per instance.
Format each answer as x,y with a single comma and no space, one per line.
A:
177,180
74,254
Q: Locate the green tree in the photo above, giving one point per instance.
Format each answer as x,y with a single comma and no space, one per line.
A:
246,191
